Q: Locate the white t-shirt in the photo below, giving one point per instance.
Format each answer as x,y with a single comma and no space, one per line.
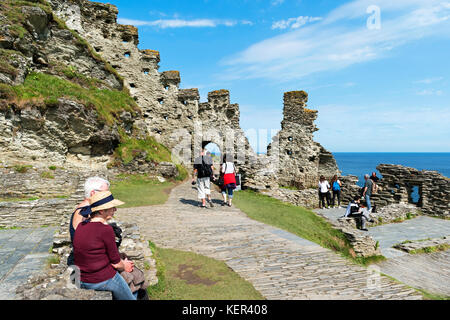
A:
229,166
324,186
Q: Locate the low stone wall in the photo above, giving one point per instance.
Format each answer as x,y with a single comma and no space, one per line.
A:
397,187
36,182
363,244
423,245
36,213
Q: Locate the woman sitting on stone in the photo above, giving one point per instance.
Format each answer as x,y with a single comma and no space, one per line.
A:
228,170
95,249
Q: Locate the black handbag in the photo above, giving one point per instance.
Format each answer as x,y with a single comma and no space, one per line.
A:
238,181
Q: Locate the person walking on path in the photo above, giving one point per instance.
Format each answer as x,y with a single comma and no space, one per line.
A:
203,168
228,170
336,188
324,192
95,250
367,192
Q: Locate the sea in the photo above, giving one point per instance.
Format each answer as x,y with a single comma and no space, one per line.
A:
358,163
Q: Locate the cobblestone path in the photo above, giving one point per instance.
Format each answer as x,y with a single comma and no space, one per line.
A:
280,265
22,253
430,272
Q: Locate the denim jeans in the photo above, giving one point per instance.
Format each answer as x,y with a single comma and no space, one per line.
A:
116,285
367,197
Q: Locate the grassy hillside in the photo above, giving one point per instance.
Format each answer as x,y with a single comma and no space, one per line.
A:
40,89
57,80
297,220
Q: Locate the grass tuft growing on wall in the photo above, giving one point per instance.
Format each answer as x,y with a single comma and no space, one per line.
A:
48,89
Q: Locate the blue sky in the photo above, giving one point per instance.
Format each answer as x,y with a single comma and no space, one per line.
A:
376,70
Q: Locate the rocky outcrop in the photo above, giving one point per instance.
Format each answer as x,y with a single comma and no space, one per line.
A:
43,44
65,133
362,243
293,158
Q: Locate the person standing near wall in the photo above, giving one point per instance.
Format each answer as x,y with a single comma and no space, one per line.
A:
367,192
336,188
324,192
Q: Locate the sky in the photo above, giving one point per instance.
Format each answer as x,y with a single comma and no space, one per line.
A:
377,71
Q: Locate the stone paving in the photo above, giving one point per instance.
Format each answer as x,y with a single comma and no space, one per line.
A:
419,228
279,264
23,252
430,272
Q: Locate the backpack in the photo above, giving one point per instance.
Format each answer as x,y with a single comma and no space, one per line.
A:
336,186
204,169
374,187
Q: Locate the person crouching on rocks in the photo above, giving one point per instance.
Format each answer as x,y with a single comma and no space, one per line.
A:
95,249
91,186
358,210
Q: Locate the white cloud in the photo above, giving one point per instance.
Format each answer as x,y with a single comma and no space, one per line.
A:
340,40
276,2
429,80
430,92
294,23
181,23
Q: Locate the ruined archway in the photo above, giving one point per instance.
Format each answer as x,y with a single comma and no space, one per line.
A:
213,150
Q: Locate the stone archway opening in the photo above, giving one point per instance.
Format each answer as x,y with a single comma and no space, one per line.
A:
415,194
215,152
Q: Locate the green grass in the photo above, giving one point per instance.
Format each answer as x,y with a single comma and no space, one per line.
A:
10,228
53,259
48,89
47,175
22,168
441,247
426,295
140,190
188,276
18,199
130,147
299,221
432,296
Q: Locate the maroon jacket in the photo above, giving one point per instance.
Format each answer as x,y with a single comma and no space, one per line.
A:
94,250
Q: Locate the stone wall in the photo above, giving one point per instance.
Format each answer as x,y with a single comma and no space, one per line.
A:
46,210
397,186
176,118
36,182
293,158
